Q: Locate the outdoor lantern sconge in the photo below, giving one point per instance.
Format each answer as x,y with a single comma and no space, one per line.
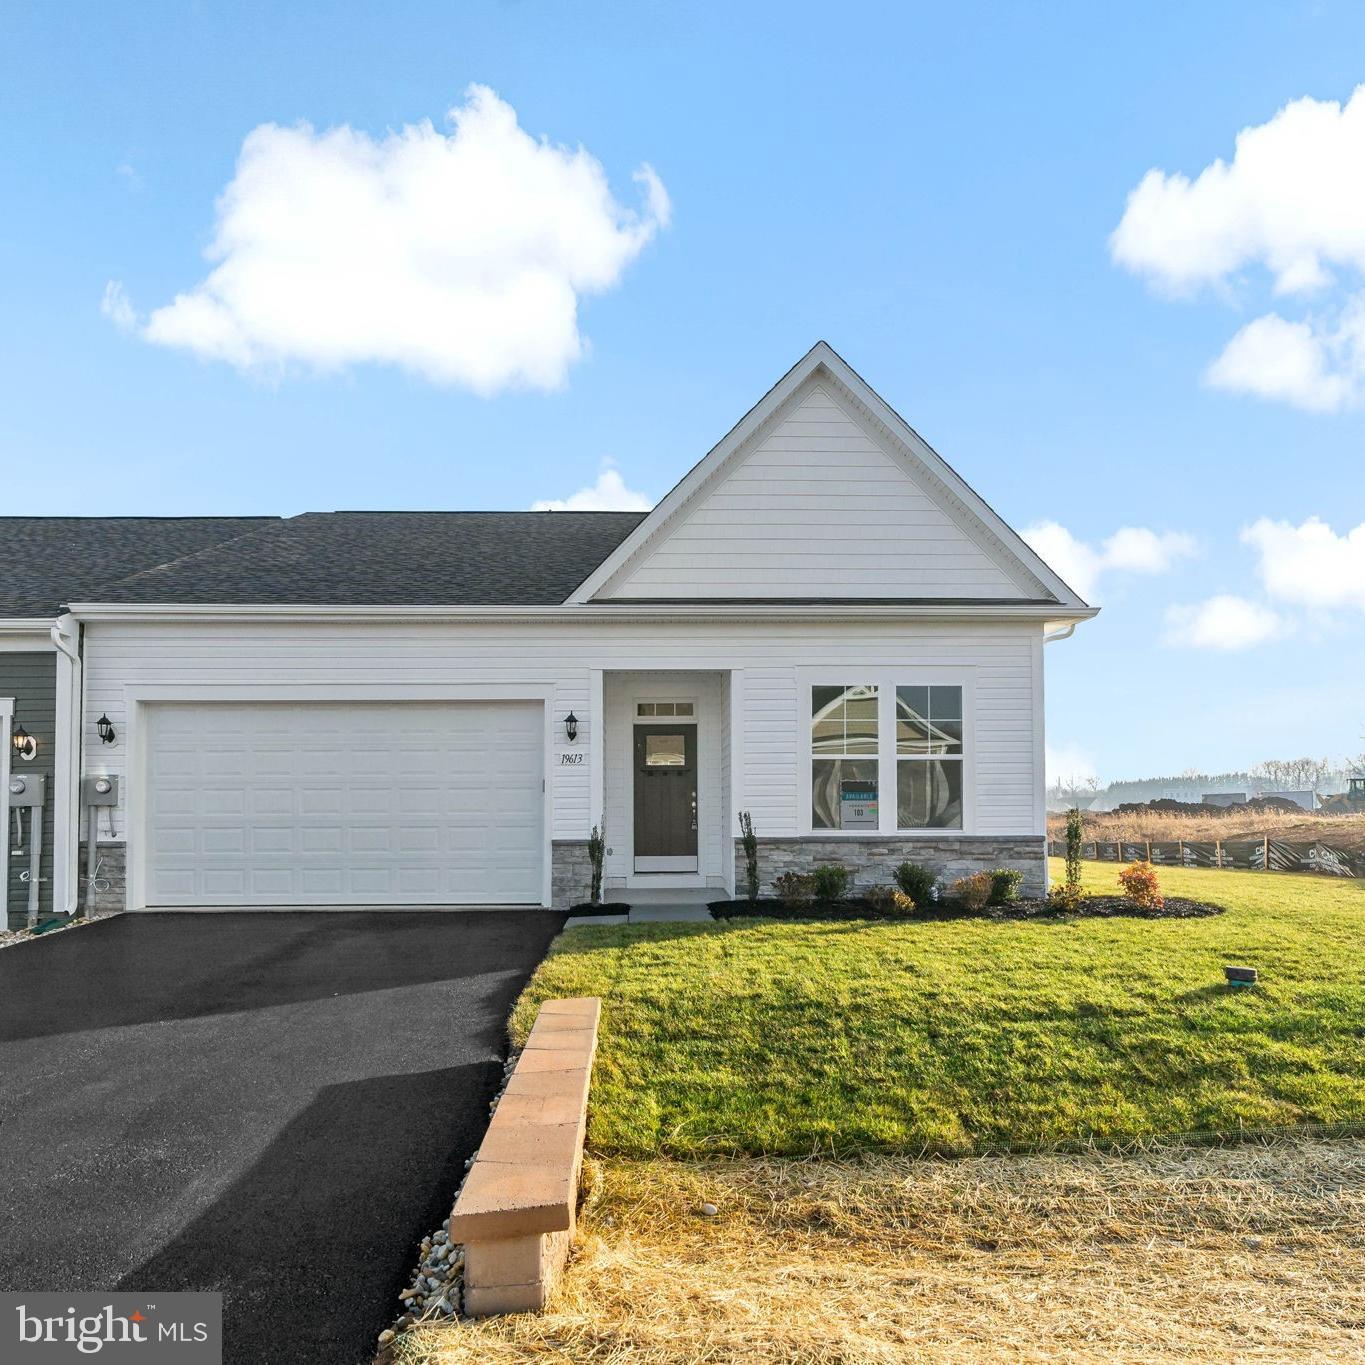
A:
25,746
106,729
571,726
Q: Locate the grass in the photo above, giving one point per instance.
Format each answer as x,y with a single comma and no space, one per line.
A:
1243,1253
1345,832
968,1036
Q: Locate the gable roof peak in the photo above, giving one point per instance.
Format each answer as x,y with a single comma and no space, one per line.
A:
1006,545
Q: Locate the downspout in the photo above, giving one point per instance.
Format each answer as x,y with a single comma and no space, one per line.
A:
66,770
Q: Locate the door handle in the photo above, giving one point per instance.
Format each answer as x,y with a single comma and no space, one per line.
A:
694,810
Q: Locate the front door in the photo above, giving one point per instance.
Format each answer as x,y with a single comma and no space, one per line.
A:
665,798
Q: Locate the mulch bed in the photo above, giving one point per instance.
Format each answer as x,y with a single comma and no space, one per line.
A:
588,909
1097,907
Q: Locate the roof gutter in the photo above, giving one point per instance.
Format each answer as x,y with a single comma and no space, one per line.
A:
673,611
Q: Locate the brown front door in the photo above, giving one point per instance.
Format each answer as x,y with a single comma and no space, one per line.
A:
665,798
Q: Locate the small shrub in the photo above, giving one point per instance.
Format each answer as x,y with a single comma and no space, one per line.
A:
971,893
830,881
1005,883
890,900
597,852
750,842
917,882
1141,886
1064,896
796,890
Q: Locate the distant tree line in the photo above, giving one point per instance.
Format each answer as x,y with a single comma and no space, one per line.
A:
1322,775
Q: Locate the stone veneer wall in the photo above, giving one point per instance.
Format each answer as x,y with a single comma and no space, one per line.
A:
874,858
113,868
570,873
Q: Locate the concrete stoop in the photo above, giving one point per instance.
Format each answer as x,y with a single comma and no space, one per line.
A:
515,1213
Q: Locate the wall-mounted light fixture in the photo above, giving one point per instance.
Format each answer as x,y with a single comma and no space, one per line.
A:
106,730
571,726
25,746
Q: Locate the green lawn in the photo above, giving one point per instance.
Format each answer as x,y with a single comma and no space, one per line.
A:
968,1035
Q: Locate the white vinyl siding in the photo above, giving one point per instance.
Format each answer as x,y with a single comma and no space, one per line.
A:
484,660
817,508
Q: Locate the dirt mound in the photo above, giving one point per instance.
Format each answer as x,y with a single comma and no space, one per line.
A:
1279,805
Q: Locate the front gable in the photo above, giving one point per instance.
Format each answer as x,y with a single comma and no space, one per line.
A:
814,496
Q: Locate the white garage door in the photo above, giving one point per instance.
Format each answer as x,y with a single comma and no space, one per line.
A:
420,803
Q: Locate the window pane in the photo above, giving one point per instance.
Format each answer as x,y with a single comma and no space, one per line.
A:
682,708
665,751
912,702
929,794
912,735
829,809
945,703
945,737
844,719
644,708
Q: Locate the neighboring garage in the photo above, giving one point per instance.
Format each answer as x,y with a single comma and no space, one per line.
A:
354,803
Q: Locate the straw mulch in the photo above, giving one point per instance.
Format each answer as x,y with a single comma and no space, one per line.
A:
1247,1253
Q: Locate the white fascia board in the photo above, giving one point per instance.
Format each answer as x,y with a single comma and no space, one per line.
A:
594,612
26,633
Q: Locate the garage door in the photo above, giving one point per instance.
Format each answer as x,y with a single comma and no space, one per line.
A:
423,803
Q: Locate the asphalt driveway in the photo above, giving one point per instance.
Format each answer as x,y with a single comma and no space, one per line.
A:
275,1105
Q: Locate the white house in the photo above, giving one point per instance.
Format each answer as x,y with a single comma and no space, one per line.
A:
821,625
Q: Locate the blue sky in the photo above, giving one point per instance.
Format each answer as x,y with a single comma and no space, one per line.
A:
932,189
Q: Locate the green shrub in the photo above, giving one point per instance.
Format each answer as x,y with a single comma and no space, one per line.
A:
971,893
890,901
796,890
830,881
1075,834
750,842
917,882
597,852
1005,884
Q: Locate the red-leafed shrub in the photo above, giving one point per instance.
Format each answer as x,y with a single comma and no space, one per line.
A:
1141,886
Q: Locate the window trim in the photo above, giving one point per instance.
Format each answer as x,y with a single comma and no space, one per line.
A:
886,681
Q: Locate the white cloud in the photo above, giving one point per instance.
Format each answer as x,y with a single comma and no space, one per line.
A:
1132,549
1291,202
458,255
117,308
1223,622
608,494
1291,361
1292,199
1310,565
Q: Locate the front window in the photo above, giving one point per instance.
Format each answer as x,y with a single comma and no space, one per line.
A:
844,745
899,740
929,757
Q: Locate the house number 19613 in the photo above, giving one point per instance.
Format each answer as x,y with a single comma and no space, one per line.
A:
571,760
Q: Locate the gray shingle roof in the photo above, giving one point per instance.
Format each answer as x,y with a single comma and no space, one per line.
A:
388,559
46,562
